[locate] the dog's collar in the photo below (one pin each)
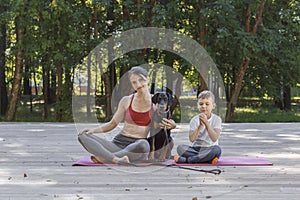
(164, 113)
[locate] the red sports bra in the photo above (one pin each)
(138, 118)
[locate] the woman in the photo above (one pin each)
(130, 143)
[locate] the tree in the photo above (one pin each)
(251, 25)
(248, 40)
(16, 86)
(3, 90)
(3, 86)
(66, 32)
(283, 22)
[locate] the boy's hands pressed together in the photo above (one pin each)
(203, 119)
(193, 135)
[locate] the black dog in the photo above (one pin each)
(161, 142)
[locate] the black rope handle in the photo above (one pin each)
(213, 171)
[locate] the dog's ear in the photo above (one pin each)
(154, 98)
(170, 98)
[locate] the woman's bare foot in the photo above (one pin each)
(123, 159)
(96, 160)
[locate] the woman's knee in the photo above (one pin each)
(143, 146)
(82, 138)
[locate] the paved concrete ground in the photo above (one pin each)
(36, 159)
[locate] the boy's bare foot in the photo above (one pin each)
(96, 160)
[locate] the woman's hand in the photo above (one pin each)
(167, 124)
(86, 130)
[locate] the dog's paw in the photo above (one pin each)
(161, 159)
(151, 156)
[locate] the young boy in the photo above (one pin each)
(205, 129)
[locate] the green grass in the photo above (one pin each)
(248, 110)
(37, 115)
(263, 114)
(256, 110)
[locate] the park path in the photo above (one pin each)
(36, 163)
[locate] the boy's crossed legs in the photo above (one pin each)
(191, 154)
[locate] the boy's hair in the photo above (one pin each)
(206, 94)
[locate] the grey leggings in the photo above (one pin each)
(199, 154)
(135, 149)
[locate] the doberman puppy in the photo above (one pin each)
(161, 142)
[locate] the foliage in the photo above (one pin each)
(60, 34)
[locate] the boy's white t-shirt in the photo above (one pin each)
(203, 139)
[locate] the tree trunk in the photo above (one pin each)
(67, 94)
(35, 84)
(201, 38)
(3, 90)
(52, 85)
(177, 94)
(16, 86)
(45, 90)
(59, 107)
(26, 80)
(152, 88)
(286, 101)
(112, 69)
(169, 60)
(237, 89)
(245, 63)
(27, 85)
(88, 92)
(108, 90)
(201, 24)
(126, 14)
(203, 84)
(287, 98)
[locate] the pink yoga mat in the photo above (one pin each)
(223, 161)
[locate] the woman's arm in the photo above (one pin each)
(117, 118)
(104, 128)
